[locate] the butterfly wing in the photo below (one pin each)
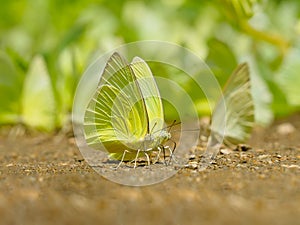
(116, 117)
(150, 94)
(238, 119)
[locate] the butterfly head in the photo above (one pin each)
(165, 135)
(162, 136)
(155, 139)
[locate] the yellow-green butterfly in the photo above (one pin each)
(234, 125)
(125, 116)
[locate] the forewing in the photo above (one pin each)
(150, 94)
(116, 116)
(238, 118)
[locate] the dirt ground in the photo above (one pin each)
(45, 180)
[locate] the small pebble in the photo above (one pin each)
(203, 138)
(243, 147)
(192, 156)
(225, 151)
(260, 150)
(192, 165)
(263, 156)
(72, 140)
(291, 166)
(285, 129)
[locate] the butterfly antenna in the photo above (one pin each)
(168, 127)
(173, 124)
(153, 127)
(191, 130)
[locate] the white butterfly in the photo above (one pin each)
(234, 125)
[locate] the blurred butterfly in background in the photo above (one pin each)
(234, 125)
(125, 116)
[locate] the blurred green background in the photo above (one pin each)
(45, 46)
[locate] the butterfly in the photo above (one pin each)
(125, 115)
(233, 116)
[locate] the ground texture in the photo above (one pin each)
(45, 180)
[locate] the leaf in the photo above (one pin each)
(288, 78)
(72, 35)
(236, 10)
(280, 105)
(262, 98)
(38, 103)
(68, 69)
(221, 60)
(10, 90)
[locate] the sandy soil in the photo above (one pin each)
(45, 180)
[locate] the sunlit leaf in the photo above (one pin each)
(221, 60)
(72, 35)
(262, 98)
(38, 103)
(10, 90)
(236, 10)
(288, 78)
(280, 105)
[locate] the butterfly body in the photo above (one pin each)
(138, 148)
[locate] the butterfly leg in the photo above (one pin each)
(163, 149)
(158, 155)
(148, 158)
(171, 154)
(123, 157)
(171, 151)
(136, 157)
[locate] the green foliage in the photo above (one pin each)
(63, 37)
(38, 102)
(10, 90)
(220, 59)
(288, 82)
